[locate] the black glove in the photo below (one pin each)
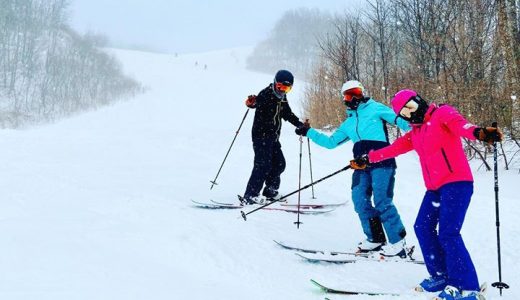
(360, 162)
(303, 128)
(251, 101)
(488, 134)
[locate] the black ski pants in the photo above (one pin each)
(269, 164)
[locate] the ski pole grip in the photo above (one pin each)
(500, 285)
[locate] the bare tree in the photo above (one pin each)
(449, 51)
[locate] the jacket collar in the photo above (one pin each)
(361, 106)
(428, 115)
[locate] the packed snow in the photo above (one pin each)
(98, 206)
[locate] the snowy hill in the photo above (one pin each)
(98, 206)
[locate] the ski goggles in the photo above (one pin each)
(283, 86)
(410, 107)
(348, 95)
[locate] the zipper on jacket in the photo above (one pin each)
(277, 116)
(357, 125)
(446, 160)
(423, 134)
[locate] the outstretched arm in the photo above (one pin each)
(339, 137)
(456, 123)
(398, 147)
(453, 121)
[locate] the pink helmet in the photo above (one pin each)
(401, 98)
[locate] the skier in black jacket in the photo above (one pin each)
(271, 107)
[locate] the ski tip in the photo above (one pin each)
(316, 283)
(483, 288)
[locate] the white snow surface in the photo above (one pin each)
(98, 206)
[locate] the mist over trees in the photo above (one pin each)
(47, 70)
(455, 52)
(292, 43)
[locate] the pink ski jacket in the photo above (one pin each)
(438, 144)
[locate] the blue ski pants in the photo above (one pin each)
(443, 249)
(269, 164)
(378, 182)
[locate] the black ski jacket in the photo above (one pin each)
(270, 110)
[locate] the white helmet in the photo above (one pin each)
(351, 84)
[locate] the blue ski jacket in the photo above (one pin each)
(366, 127)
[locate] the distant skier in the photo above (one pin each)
(366, 127)
(436, 137)
(269, 163)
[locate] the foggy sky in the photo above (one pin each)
(187, 26)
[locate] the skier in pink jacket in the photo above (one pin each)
(436, 137)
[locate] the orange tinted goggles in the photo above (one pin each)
(284, 87)
(348, 95)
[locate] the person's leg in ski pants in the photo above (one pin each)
(269, 163)
(368, 215)
(444, 251)
(272, 181)
(383, 180)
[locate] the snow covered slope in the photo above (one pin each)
(98, 206)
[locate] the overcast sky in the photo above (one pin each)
(187, 26)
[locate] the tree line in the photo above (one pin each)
(463, 53)
(47, 70)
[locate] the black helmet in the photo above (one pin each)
(283, 81)
(285, 77)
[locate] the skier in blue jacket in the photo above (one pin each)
(366, 127)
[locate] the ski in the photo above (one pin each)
(223, 203)
(303, 212)
(292, 206)
(314, 205)
(325, 256)
(345, 258)
(305, 250)
(330, 260)
(215, 205)
(303, 206)
(349, 292)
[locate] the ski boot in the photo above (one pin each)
(452, 293)
(271, 195)
(250, 200)
(432, 284)
(394, 250)
(366, 246)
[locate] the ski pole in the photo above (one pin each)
(214, 181)
(244, 215)
(310, 165)
(499, 284)
(299, 184)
